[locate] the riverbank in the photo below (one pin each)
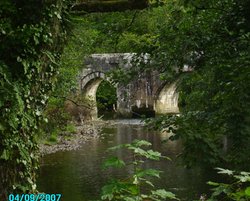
(72, 141)
(84, 133)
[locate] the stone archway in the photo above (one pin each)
(89, 93)
(89, 85)
(167, 100)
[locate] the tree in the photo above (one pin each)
(212, 38)
(32, 34)
(106, 97)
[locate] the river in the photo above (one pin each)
(78, 175)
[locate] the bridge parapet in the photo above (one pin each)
(106, 62)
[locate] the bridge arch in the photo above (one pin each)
(89, 84)
(166, 100)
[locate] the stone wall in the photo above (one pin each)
(146, 93)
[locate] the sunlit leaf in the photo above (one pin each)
(149, 183)
(211, 183)
(154, 155)
(139, 143)
(224, 171)
(162, 193)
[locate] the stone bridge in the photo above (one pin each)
(144, 93)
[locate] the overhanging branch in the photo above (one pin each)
(68, 99)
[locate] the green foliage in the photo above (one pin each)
(129, 31)
(32, 34)
(212, 38)
(106, 96)
(62, 113)
(108, 5)
(70, 128)
(79, 45)
(239, 190)
(53, 138)
(56, 116)
(114, 162)
(131, 188)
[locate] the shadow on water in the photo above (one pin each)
(78, 174)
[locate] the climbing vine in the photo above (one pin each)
(32, 34)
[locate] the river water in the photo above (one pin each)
(78, 175)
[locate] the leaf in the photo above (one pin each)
(149, 183)
(154, 155)
(211, 183)
(113, 162)
(117, 147)
(107, 197)
(149, 172)
(224, 171)
(136, 181)
(139, 151)
(5, 155)
(247, 191)
(109, 190)
(245, 173)
(1, 127)
(222, 188)
(133, 189)
(50, 56)
(139, 143)
(130, 199)
(144, 196)
(58, 15)
(38, 113)
(162, 193)
(36, 40)
(242, 178)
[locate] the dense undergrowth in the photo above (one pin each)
(32, 35)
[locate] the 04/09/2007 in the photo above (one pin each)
(34, 197)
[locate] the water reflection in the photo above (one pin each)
(79, 176)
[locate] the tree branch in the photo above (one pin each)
(65, 98)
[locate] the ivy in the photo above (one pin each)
(32, 35)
